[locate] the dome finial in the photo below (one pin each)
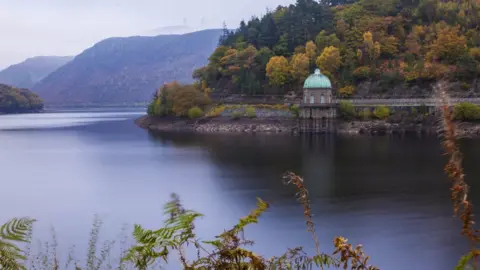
(317, 71)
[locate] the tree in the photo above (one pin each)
(311, 50)
(390, 46)
(278, 71)
(281, 48)
(187, 97)
(371, 48)
(323, 40)
(329, 61)
(299, 67)
(448, 46)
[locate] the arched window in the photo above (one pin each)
(312, 99)
(305, 98)
(322, 99)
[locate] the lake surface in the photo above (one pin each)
(388, 194)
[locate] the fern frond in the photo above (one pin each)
(15, 230)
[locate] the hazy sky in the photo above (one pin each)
(66, 27)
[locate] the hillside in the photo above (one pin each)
(32, 70)
(16, 100)
(366, 47)
(127, 70)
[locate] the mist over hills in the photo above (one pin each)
(127, 70)
(27, 73)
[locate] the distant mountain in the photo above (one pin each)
(32, 70)
(16, 100)
(127, 70)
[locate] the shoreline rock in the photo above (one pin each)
(291, 126)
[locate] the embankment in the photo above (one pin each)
(292, 126)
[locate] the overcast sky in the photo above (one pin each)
(66, 27)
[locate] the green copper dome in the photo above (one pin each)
(317, 80)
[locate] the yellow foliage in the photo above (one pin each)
(330, 60)
(390, 46)
(475, 53)
(449, 45)
(216, 111)
(367, 36)
(347, 90)
(278, 70)
(310, 49)
(299, 66)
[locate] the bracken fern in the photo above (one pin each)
(11, 233)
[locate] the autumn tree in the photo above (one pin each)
(448, 46)
(390, 46)
(370, 48)
(299, 67)
(323, 40)
(310, 50)
(329, 61)
(185, 98)
(278, 71)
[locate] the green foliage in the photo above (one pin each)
(381, 112)
(14, 231)
(195, 113)
(295, 110)
(463, 262)
(347, 111)
(466, 111)
(250, 112)
(236, 115)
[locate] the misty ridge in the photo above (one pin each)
(117, 70)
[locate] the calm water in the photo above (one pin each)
(387, 193)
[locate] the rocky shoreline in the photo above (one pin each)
(291, 126)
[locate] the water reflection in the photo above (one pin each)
(386, 193)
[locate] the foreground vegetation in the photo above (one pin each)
(390, 41)
(229, 250)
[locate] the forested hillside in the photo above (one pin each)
(16, 100)
(127, 70)
(388, 42)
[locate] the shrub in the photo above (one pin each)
(381, 112)
(347, 91)
(347, 110)
(466, 111)
(236, 115)
(365, 114)
(195, 112)
(251, 112)
(295, 110)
